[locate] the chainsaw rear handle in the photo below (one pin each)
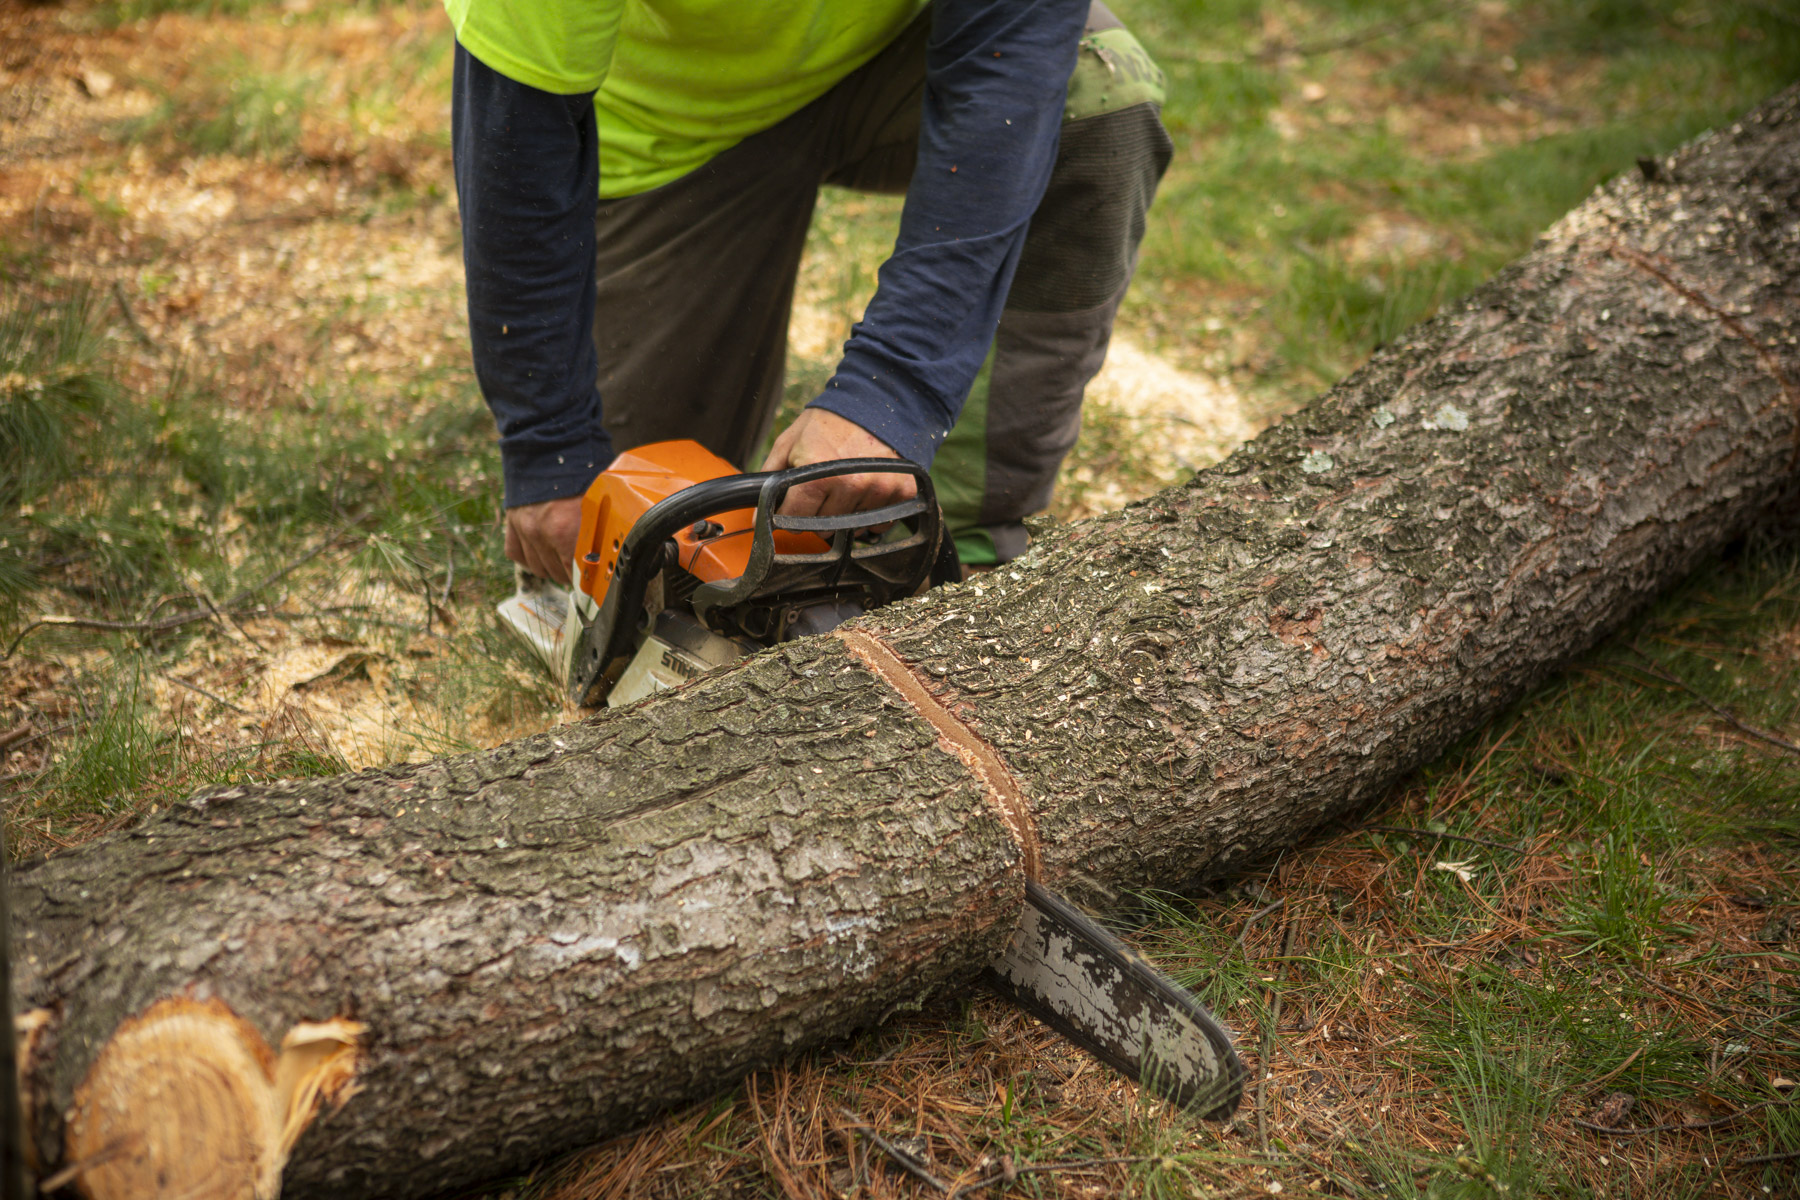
(946, 569)
(766, 490)
(836, 530)
(644, 552)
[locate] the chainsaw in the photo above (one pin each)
(684, 565)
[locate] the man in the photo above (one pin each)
(636, 179)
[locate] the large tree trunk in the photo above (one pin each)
(427, 975)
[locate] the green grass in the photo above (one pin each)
(1251, 222)
(229, 107)
(341, 520)
(1494, 1062)
(119, 752)
(266, 87)
(187, 491)
(54, 391)
(1620, 816)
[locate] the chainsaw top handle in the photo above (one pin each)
(777, 484)
(646, 550)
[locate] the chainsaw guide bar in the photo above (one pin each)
(1066, 969)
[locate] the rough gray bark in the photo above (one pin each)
(548, 942)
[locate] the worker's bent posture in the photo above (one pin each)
(637, 178)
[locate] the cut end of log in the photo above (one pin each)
(187, 1099)
(28, 1030)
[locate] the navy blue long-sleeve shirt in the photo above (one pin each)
(527, 178)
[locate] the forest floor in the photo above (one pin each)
(248, 530)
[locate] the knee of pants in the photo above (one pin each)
(1023, 460)
(1084, 236)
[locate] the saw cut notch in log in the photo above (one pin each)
(551, 942)
(958, 738)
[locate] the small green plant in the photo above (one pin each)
(118, 752)
(1621, 905)
(1501, 1071)
(53, 389)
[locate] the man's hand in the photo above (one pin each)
(541, 537)
(820, 435)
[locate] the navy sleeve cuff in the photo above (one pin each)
(536, 473)
(866, 391)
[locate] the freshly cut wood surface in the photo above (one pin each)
(188, 1100)
(529, 949)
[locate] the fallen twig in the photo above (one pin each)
(1735, 1010)
(1755, 1159)
(1268, 1046)
(1079, 1164)
(194, 687)
(449, 566)
(225, 620)
(912, 1165)
(1673, 1126)
(164, 625)
(38, 736)
(63, 622)
(277, 576)
(1350, 41)
(1428, 833)
(1256, 916)
(1723, 713)
(143, 335)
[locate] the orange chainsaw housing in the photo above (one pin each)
(635, 482)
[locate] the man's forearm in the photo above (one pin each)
(996, 78)
(527, 181)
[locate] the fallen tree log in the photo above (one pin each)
(403, 980)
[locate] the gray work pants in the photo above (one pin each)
(696, 278)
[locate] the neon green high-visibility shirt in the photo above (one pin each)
(677, 81)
